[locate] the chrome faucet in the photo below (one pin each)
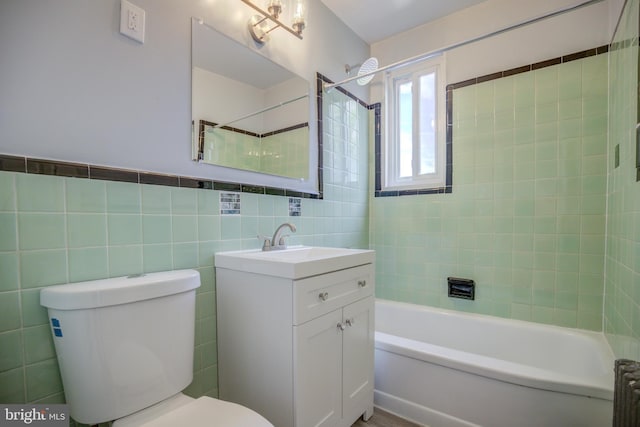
(277, 241)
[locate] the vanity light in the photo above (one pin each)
(270, 18)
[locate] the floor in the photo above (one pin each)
(384, 419)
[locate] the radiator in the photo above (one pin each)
(626, 396)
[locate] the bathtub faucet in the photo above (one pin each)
(277, 241)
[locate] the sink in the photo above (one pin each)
(294, 262)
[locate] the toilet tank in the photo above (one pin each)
(125, 343)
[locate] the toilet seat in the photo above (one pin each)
(208, 412)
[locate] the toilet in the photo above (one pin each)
(125, 350)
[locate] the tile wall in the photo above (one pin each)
(622, 279)
(56, 230)
(279, 153)
(286, 153)
(526, 219)
(232, 149)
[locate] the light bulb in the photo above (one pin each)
(298, 17)
(274, 7)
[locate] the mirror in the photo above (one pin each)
(251, 116)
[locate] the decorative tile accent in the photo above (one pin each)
(295, 206)
(229, 203)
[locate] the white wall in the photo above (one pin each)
(73, 88)
(583, 29)
(240, 100)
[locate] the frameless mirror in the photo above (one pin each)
(250, 114)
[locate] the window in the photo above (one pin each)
(414, 152)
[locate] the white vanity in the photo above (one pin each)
(296, 333)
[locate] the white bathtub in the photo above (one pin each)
(445, 368)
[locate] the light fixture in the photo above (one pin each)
(270, 18)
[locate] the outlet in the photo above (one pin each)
(131, 21)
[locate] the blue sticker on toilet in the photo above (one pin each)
(57, 329)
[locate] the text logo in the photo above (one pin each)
(34, 415)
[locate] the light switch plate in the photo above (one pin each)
(132, 21)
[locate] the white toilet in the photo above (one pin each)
(125, 350)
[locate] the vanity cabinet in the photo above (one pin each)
(299, 351)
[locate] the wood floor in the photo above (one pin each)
(384, 419)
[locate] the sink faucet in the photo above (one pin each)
(277, 241)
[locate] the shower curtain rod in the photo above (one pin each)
(440, 51)
(263, 110)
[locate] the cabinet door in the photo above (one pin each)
(318, 371)
(358, 343)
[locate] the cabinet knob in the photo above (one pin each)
(350, 322)
(362, 283)
(323, 296)
(341, 326)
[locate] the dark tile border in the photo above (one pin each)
(9, 163)
(377, 107)
(23, 164)
(13, 163)
(167, 180)
(227, 186)
(340, 89)
(252, 188)
(48, 167)
(320, 81)
(377, 147)
(287, 129)
(535, 66)
(195, 183)
(449, 120)
(319, 95)
(110, 174)
(204, 123)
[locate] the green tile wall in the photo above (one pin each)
(622, 279)
(526, 219)
(56, 230)
(285, 153)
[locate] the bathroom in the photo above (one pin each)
(561, 250)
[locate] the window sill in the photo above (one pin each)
(413, 192)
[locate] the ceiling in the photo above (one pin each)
(375, 20)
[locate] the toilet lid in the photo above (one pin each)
(210, 412)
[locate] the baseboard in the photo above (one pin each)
(415, 413)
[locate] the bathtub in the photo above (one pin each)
(444, 368)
